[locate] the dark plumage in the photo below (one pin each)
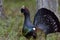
(28, 27)
(46, 21)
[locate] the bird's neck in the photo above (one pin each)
(27, 18)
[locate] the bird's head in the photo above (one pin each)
(24, 10)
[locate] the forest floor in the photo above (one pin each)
(11, 27)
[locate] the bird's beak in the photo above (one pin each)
(23, 7)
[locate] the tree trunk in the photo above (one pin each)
(1, 7)
(49, 4)
(2, 15)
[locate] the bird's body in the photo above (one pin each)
(46, 21)
(27, 30)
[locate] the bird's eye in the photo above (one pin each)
(34, 28)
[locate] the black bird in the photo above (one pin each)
(28, 27)
(46, 21)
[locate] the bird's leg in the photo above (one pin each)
(28, 39)
(45, 37)
(40, 35)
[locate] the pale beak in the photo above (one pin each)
(23, 7)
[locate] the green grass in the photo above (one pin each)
(11, 28)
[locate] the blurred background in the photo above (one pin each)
(12, 23)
